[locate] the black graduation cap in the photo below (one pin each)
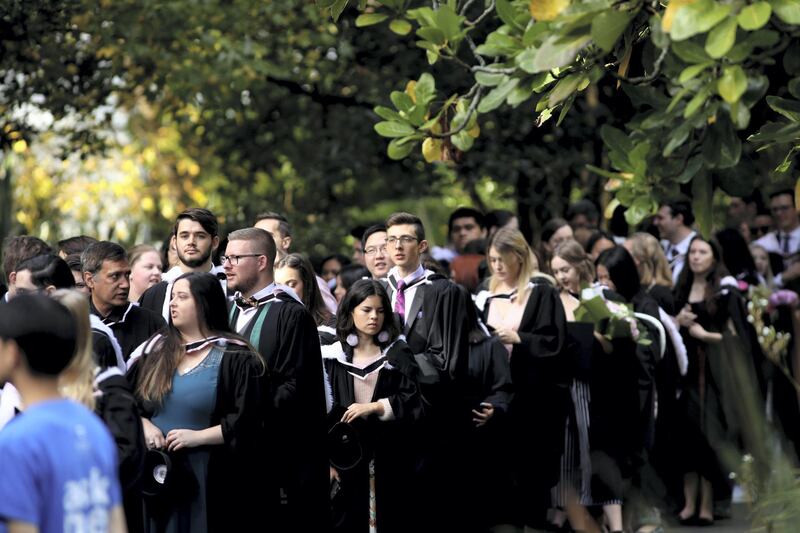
(157, 467)
(344, 445)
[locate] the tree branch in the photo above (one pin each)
(474, 49)
(482, 15)
(464, 8)
(641, 80)
(477, 90)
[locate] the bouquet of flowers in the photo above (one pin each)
(613, 320)
(761, 304)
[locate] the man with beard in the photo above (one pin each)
(196, 236)
(285, 335)
(106, 272)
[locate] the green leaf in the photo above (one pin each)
(659, 38)
(434, 35)
(449, 22)
(498, 44)
(496, 96)
(639, 210)
(527, 59)
(401, 101)
(388, 114)
(608, 27)
(740, 114)
(462, 140)
(787, 10)
(721, 38)
(754, 16)
(337, 8)
(697, 102)
(533, 32)
(368, 19)
(424, 15)
(702, 196)
(794, 87)
(733, 83)
(506, 13)
(488, 79)
(519, 95)
(722, 147)
(393, 129)
(400, 148)
(615, 139)
(425, 89)
(698, 17)
(556, 52)
(677, 98)
(692, 71)
(677, 138)
(694, 165)
(603, 172)
(400, 26)
(775, 132)
(564, 88)
(788, 108)
(690, 52)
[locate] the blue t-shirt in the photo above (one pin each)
(58, 469)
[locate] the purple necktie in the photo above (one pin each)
(400, 303)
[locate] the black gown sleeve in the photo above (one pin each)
(447, 342)
(497, 377)
(406, 402)
(237, 408)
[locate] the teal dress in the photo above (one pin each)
(190, 405)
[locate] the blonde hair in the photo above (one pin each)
(651, 262)
(512, 246)
(77, 380)
(136, 253)
(574, 254)
(769, 277)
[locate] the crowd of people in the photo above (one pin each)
(239, 385)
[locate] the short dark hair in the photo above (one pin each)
(683, 208)
(283, 222)
(349, 274)
(552, 226)
(204, 217)
(369, 232)
(48, 269)
(783, 192)
(622, 271)
(583, 207)
(260, 237)
(360, 291)
(498, 218)
(93, 257)
(74, 262)
(595, 237)
(75, 245)
(466, 212)
(341, 258)
(396, 219)
(19, 248)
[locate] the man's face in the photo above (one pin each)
(783, 212)
(358, 253)
(376, 255)
(464, 230)
(403, 246)
(667, 224)
(24, 284)
(243, 275)
(193, 243)
(737, 211)
(111, 284)
(272, 226)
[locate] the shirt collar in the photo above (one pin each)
(418, 273)
(263, 293)
(116, 315)
(683, 246)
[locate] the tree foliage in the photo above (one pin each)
(704, 83)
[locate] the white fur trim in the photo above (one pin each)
(677, 341)
(97, 324)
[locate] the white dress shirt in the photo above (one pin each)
(246, 315)
(676, 254)
(410, 292)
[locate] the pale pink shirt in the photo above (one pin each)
(364, 389)
(507, 313)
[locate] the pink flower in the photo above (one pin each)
(782, 297)
(743, 285)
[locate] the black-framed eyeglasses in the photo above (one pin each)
(760, 230)
(234, 259)
(372, 250)
(403, 239)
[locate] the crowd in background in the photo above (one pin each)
(242, 385)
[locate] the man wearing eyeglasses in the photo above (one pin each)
(431, 311)
(196, 237)
(784, 242)
(376, 254)
(283, 331)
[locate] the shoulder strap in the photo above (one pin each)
(255, 334)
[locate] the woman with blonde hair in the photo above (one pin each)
(146, 269)
(528, 317)
(654, 272)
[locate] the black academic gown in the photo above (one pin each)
(390, 443)
(153, 298)
(131, 325)
(296, 426)
(436, 331)
(233, 504)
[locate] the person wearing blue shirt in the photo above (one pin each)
(58, 461)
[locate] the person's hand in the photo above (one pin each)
(334, 475)
(153, 437)
(507, 336)
(792, 272)
(360, 410)
(484, 415)
(686, 318)
(178, 439)
(698, 332)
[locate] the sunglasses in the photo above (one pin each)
(760, 230)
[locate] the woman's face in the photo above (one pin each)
(182, 308)
(330, 269)
(291, 278)
(566, 275)
(601, 246)
(504, 267)
(146, 272)
(368, 316)
(605, 278)
(339, 292)
(563, 233)
(761, 259)
(701, 257)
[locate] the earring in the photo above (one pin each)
(352, 340)
(383, 336)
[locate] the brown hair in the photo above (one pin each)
(136, 253)
(311, 296)
(396, 219)
(17, 249)
(264, 242)
(77, 380)
(651, 261)
(574, 254)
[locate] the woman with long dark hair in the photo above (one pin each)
(372, 377)
(197, 385)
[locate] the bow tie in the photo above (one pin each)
(245, 303)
